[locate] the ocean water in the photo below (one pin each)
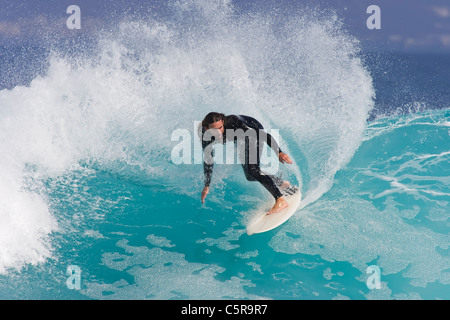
(87, 177)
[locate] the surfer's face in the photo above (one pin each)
(217, 128)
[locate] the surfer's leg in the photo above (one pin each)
(269, 184)
(252, 168)
(248, 176)
(280, 183)
(253, 171)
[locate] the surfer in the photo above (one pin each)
(217, 124)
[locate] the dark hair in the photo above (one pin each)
(212, 117)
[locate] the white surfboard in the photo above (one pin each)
(263, 222)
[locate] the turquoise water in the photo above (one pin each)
(87, 177)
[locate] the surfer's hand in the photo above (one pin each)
(204, 193)
(284, 158)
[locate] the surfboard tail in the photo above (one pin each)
(263, 222)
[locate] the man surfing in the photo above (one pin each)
(217, 125)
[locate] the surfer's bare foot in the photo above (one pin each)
(279, 205)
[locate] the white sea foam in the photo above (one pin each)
(162, 274)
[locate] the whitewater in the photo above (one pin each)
(87, 179)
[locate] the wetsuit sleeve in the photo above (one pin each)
(271, 142)
(208, 163)
(237, 123)
(207, 169)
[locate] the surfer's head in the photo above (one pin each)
(214, 122)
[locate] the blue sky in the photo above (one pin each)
(407, 25)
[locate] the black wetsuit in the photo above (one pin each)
(251, 165)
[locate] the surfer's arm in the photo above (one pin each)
(207, 170)
(271, 142)
(204, 193)
(236, 123)
(208, 165)
(208, 161)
